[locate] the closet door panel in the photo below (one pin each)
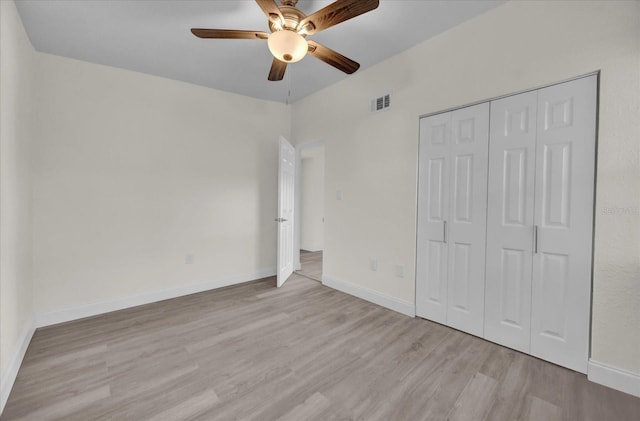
(510, 220)
(565, 171)
(466, 228)
(433, 211)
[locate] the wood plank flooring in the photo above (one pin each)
(311, 262)
(302, 352)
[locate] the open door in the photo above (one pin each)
(286, 196)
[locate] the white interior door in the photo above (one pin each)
(565, 171)
(433, 212)
(466, 227)
(512, 148)
(285, 219)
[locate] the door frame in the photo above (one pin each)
(297, 229)
(537, 88)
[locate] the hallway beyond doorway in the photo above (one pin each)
(311, 262)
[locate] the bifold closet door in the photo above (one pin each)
(540, 219)
(565, 177)
(452, 201)
(467, 224)
(433, 211)
(510, 227)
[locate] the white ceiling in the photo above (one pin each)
(153, 37)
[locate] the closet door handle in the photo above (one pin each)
(444, 232)
(535, 239)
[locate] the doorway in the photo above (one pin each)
(310, 207)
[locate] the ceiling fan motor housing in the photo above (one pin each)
(292, 16)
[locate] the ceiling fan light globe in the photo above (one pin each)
(287, 46)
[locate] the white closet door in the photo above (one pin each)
(512, 147)
(433, 210)
(565, 166)
(466, 227)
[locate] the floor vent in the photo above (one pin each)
(381, 103)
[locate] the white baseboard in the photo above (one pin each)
(615, 378)
(100, 307)
(401, 306)
(9, 376)
(311, 249)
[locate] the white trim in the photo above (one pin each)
(9, 376)
(401, 306)
(615, 378)
(495, 98)
(92, 309)
(311, 249)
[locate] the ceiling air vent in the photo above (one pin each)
(381, 103)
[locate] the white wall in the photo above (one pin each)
(16, 289)
(312, 199)
(372, 158)
(132, 173)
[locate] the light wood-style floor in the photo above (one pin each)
(302, 352)
(311, 262)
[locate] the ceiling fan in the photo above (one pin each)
(289, 28)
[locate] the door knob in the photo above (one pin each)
(280, 220)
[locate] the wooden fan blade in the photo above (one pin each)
(332, 58)
(335, 13)
(228, 34)
(271, 9)
(277, 70)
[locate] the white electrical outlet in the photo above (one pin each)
(189, 259)
(338, 194)
(400, 271)
(373, 264)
